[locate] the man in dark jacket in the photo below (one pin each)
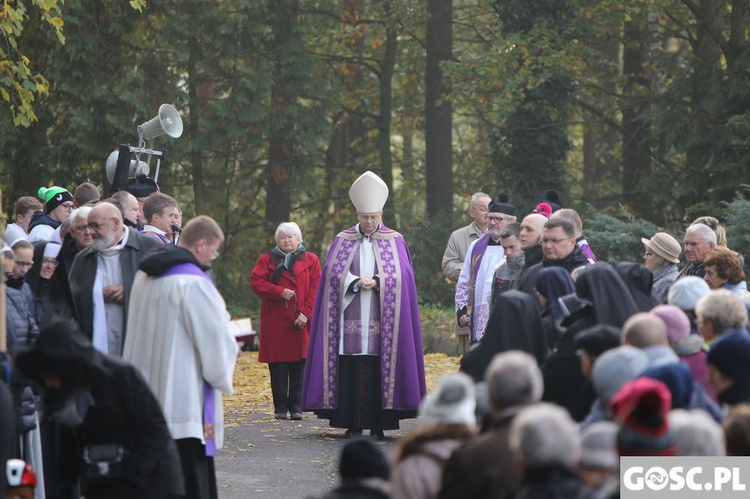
(531, 244)
(484, 467)
(102, 276)
(113, 434)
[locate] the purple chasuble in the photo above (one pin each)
(209, 393)
(396, 319)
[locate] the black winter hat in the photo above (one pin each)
(363, 459)
(501, 204)
(552, 198)
(597, 339)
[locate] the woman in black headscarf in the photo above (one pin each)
(608, 301)
(553, 283)
(48, 280)
(639, 281)
(515, 324)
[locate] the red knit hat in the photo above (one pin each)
(543, 209)
(641, 406)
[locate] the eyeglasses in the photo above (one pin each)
(549, 240)
(25, 264)
(50, 261)
(497, 220)
(368, 218)
(68, 206)
(94, 226)
(82, 228)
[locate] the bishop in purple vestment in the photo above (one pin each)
(365, 365)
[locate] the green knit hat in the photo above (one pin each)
(54, 196)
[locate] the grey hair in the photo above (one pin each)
(513, 379)
(78, 213)
(704, 231)
(696, 433)
(571, 216)
(659, 261)
(289, 228)
(544, 435)
(476, 197)
(724, 309)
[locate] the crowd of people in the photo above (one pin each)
(120, 347)
(121, 350)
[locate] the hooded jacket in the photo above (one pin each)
(123, 412)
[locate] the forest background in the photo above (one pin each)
(636, 111)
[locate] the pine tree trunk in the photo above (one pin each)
(438, 115)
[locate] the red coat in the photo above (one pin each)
(280, 341)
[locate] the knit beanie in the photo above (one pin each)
(501, 204)
(686, 291)
(614, 368)
(543, 209)
(598, 445)
(54, 196)
(552, 198)
(678, 325)
(678, 379)
(363, 459)
(730, 354)
(641, 406)
(453, 402)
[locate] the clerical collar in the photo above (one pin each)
(367, 236)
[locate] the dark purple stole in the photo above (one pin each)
(476, 262)
(209, 393)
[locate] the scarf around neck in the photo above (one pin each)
(286, 261)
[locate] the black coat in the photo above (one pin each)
(8, 439)
(553, 483)
(124, 412)
(526, 280)
(515, 324)
(639, 281)
(608, 302)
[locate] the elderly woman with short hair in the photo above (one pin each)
(661, 257)
(724, 271)
(286, 280)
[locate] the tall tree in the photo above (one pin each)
(439, 112)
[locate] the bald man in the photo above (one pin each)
(531, 244)
(102, 276)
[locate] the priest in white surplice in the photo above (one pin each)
(474, 287)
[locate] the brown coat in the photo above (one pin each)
(483, 468)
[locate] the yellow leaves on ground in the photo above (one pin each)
(252, 385)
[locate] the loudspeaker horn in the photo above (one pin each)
(166, 122)
(136, 167)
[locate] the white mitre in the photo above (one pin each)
(368, 193)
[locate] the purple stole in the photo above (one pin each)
(209, 393)
(476, 262)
